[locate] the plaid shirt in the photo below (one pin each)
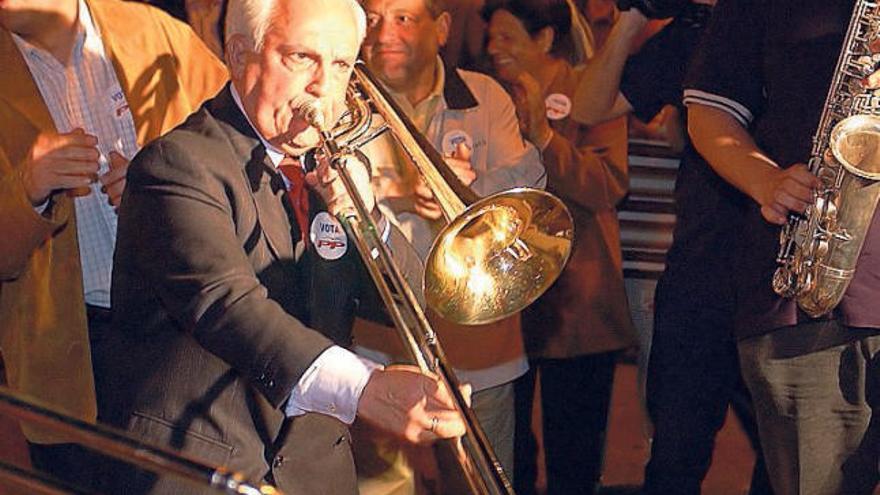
(86, 94)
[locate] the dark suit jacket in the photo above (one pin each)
(216, 316)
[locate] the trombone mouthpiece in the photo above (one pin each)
(311, 111)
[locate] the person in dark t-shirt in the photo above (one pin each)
(693, 373)
(757, 90)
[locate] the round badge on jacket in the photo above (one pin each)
(328, 236)
(558, 106)
(453, 138)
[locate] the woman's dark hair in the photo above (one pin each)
(535, 15)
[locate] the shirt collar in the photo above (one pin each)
(456, 92)
(448, 83)
(87, 36)
(91, 34)
(439, 79)
(436, 89)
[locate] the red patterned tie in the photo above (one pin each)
(297, 194)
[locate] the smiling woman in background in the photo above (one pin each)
(575, 331)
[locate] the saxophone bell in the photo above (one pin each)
(855, 144)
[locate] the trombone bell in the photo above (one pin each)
(498, 256)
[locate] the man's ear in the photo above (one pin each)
(238, 47)
(443, 22)
(544, 39)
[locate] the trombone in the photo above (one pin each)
(494, 257)
(108, 441)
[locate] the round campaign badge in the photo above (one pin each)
(328, 236)
(453, 138)
(558, 106)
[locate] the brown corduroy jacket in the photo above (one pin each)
(166, 73)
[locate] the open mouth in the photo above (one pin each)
(503, 61)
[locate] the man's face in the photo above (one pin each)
(308, 53)
(402, 41)
(511, 47)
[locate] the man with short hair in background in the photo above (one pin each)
(471, 121)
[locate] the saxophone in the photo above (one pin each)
(818, 250)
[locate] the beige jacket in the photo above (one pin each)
(475, 108)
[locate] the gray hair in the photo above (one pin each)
(252, 19)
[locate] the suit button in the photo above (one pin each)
(271, 384)
(277, 461)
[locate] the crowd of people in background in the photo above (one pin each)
(162, 200)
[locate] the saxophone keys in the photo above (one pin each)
(866, 65)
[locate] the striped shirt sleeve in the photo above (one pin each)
(739, 111)
(726, 70)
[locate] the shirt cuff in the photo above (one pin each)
(386, 229)
(736, 109)
(41, 207)
(332, 385)
(383, 225)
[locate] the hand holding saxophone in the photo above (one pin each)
(792, 190)
(789, 190)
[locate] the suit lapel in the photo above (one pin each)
(19, 91)
(18, 88)
(266, 189)
(268, 196)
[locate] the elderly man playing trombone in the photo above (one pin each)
(231, 302)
